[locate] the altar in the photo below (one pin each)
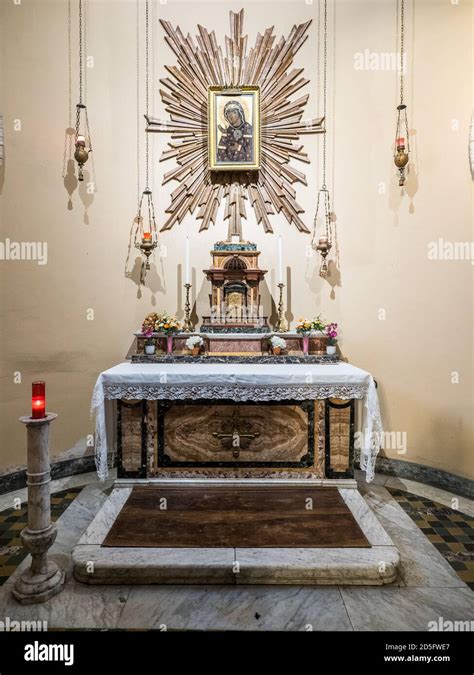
(236, 472)
(174, 419)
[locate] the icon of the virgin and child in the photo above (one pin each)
(236, 141)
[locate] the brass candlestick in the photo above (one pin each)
(281, 324)
(187, 311)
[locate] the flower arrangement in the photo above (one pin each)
(304, 326)
(318, 323)
(331, 332)
(278, 344)
(167, 324)
(148, 334)
(160, 323)
(149, 322)
(194, 341)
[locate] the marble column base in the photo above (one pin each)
(94, 564)
(34, 588)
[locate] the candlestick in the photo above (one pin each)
(186, 264)
(38, 400)
(187, 311)
(280, 261)
(43, 578)
(281, 324)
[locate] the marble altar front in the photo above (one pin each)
(235, 419)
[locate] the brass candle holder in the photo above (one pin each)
(146, 246)
(281, 323)
(323, 246)
(187, 311)
(401, 160)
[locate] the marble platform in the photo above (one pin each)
(425, 589)
(378, 565)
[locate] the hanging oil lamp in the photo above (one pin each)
(324, 243)
(146, 235)
(81, 154)
(402, 144)
(402, 149)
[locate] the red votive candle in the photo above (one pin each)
(400, 141)
(38, 400)
(147, 236)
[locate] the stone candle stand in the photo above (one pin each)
(43, 579)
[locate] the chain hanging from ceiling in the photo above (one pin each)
(146, 236)
(83, 134)
(323, 203)
(402, 143)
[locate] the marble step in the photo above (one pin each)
(377, 566)
(95, 564)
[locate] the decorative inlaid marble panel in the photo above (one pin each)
(289, 440)
(130, 434)
(228, 434)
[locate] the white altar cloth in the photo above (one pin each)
(239, 382)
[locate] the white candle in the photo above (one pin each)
(280, 261)
(186, 263)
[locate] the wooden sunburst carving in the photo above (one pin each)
(268, 65)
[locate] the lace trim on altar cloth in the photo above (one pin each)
(372, 432)
(372, 426)
(249, 392)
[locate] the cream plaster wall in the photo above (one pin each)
(382, 236)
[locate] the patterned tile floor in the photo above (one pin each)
(12, 521)
(450, 531)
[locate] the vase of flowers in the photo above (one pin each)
(150, 346)
(194, 343)
(169, 325)
(331, 332)
(278, 344)
(305, 328)
(319, 324)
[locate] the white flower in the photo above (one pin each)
(278, 342)
(194, 341)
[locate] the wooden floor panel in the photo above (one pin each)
(242, 516)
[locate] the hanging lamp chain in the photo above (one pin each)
(402, 46)
(79, 106)
(80, 52)
(323, 191)
(325, 63)
(147, 90)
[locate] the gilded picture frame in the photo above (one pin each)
(234, 128)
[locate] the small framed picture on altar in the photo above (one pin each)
(234, 129)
